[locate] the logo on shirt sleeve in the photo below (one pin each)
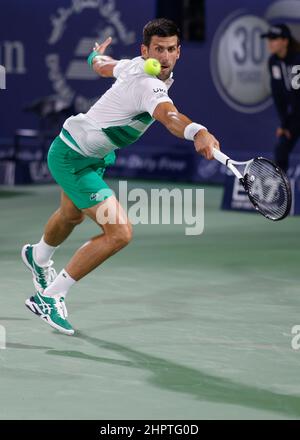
(159, 90)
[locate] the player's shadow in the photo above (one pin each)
(178, 378)
(26, 346)
(7, 194)
(9, 318)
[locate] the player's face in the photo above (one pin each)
(166, 51)
(277, 45)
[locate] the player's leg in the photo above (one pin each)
(82, 179)
(62, 222)
(117, 233)
(282, 151)
(37, 257)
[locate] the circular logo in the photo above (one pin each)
(71, 77)
(239, 64)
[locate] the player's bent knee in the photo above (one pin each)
(127, 234)
(121, 237)
(73, 219)
(76, 220)
(124, 236)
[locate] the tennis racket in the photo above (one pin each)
(265, 184)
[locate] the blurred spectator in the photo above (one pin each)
(285, 53)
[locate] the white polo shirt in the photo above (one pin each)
(121, 115)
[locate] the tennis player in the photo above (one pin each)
(84, 148)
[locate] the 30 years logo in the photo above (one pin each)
(239, 63)
(239, 56)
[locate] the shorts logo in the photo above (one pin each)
(67, 62)
(94, 197)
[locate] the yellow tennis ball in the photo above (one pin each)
(152, 66)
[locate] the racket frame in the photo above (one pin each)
(229, 163)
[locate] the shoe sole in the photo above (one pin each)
(34, 308)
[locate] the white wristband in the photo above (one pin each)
(102, 58)
(191, 130)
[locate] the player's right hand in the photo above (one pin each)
(204, 143)
(101, 48)
(283, 132)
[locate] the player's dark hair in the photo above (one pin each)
(160, 27)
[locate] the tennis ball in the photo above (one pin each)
(152, 66)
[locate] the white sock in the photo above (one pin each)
(42, 252)
(60, 285)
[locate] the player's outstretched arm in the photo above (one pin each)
(102, 64)
(181, 126)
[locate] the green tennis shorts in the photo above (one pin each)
(80, 177)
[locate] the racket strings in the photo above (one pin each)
(268, 189)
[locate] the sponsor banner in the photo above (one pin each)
(151, 161)
(235, 198)
(45, 53)
(24, 172)
(136, 164)
(222, 83)
(138, 161)
(7, 172)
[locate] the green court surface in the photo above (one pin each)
(172, 327)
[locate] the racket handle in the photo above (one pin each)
(220, 157)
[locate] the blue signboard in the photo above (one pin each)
(222, 82)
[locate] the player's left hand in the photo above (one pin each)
(101, 48)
